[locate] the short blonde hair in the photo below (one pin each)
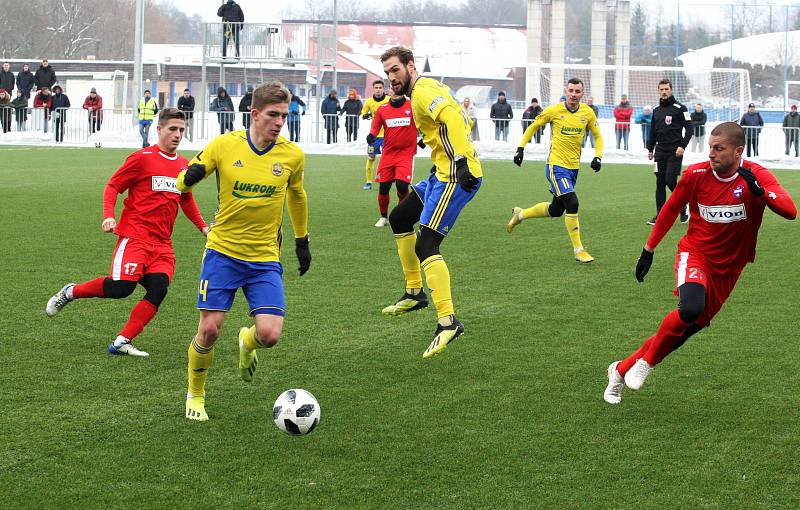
(273, 92)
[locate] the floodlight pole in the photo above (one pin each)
(335, 44)
(138, 45)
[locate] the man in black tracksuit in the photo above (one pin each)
(669, 135)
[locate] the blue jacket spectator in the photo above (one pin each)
(646, 120)
(752, 124)
(295, 105)
(25, 81)
(330, 109)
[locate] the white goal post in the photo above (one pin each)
(791, 92)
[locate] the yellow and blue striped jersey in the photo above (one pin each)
(568, 129)
(252, 186)
(371, 106)
(429, 99)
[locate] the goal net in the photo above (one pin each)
(792, 93)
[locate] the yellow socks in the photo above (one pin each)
(200, 359)
(574, 230)
(368, 173)
(408, 259)
(540, 210)
(438, 277)
(250, 341)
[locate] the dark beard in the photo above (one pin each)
(406, 90)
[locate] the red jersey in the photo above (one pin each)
(725, 215)
(399, 132)
(150, 209)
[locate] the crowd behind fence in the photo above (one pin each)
(75, 126)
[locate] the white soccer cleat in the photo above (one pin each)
(382, 222)
(56, 303)
(637, 375)
(613, 393)
(126, 349)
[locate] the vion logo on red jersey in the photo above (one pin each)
(723, 213)
(162, 183)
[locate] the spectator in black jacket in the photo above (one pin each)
(45, 76)
(7, 80)
(186, 105)
(752, 123)
(330, 109)
(245, 105)
(699, 119)
(59, 109)
(223, 105)
(232, 23)
(20, 105)
(25, 81)
(5, 110)
(669, 135)
(500, 113)
(351, 109)
(528, 116)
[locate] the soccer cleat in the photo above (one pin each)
(651, 221)
(196, 408)
(583, 256)
(56, 303)
(514, 221)
(248, 361)
(382, 222)
(407, 303)
(367, 186)
(637, 375)
(613, 393)
(442, 337)
(126, 349)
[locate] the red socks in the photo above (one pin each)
(141, 314)
(628, 362)
(383, 204)
(92, 288)
(657, 347)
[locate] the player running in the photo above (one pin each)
(143, 253)
(437, 201)
(727, 197)
(395, 120)
(257, 172)
(568, 121)
(371, 105)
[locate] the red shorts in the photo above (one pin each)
(389, 171)
(133, 259)
(693, 268)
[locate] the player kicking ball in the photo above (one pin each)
(396, 122)
(726, 197)
(143, 254)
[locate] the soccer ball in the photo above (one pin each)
(296, 412)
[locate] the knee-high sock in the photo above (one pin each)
(574, 230)
(669, 333)
(383, 204)
(628, 362)
(142, 313)
(539, 210)
(200, 359)
(408, 259)
(250, 340)
(92, 288)
(438, 277)
(368, 175)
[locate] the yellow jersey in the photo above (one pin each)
(252, 186)
(568, 129)
(429, 98)
(371, 106)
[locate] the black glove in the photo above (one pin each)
(466, 180)
(519, 156)
(370, 139)
(752, 182)
(595, 164)
(643, 265)
(421, 143)
(194, 174)
(366, 116)
(303, 254)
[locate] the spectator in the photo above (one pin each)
(295, 105)
(528, 116)
(791, 128)
(7, 80)
(59, 109)
(45, 76)
(699, 119)
(223, 105)
(5, 110)
(232, 23)
(93, 104)
(351, 110)
(646, 120)
(245, 105)
(20, 105)
(186, 105)
(25, 81)
(622, 114)
(469, 111)
(500, 113)
(588, 133)
(147, 112)
(752, 123)
(43, 100)
(330, 109)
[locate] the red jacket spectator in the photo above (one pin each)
(94, 104)
(42, 100)
(622, 114)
